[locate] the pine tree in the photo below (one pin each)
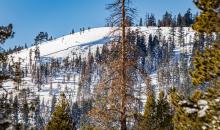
(206, 64)
(15, 113)
(38, 119)
(30, 59)
(149, 59)
(167, 20)
(141, 48)
(53, 103)
(181, 119)
(97, 55)
(61, 119)
(76, 113)
(201, 110)
(25, 113)
(37, 54)
(25, 46)
(172, 32)
(41, 37)
(85, 107)
(179, 20)
(155, 52)
(141, 22)
(18, 75)
(5, 112)
(148, 120)
(181, 37)
(163, 113)
(151, 20)
(188, 19)
(6, 32)
(208, 21)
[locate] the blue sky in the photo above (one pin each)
(59, 17)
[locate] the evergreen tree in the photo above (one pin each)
(15, 113)
(150, 53)
(25, 46)
(206, 65)
(37, 53)
(181, 120)
(38, 121)
(179, 20)
(181, 37)
(148, 120)
(208, 21)
(18, 75)
(188, 19)
(41, 37)
(76, 113)
(163, 113)
(151, 20)
(167, 20)
(25, 113)
(155, 52)
(6, 32)
(61, 119)
(141, 22)
(172, 33)
(30, 59)
(98, 55)
(141, 48)
(201, 110)
(53, 103)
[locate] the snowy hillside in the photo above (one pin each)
(79, 43)
(69, 44)
(68, 80)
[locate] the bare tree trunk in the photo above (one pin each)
(123, 69)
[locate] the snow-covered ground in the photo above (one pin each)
(79, 43)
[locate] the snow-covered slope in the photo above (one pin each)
(75, 44)
(80, 42)
(69, 44)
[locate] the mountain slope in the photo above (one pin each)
(68, 80)
(79, 43)
(64, 46)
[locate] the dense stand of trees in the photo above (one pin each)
(168, 20)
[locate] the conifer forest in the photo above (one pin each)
(136, 71)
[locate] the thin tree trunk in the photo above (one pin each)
(123, 69)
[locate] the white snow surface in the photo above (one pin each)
(67, 45)
(78, 43)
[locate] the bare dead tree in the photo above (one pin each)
(115, 94)
(122, 16)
